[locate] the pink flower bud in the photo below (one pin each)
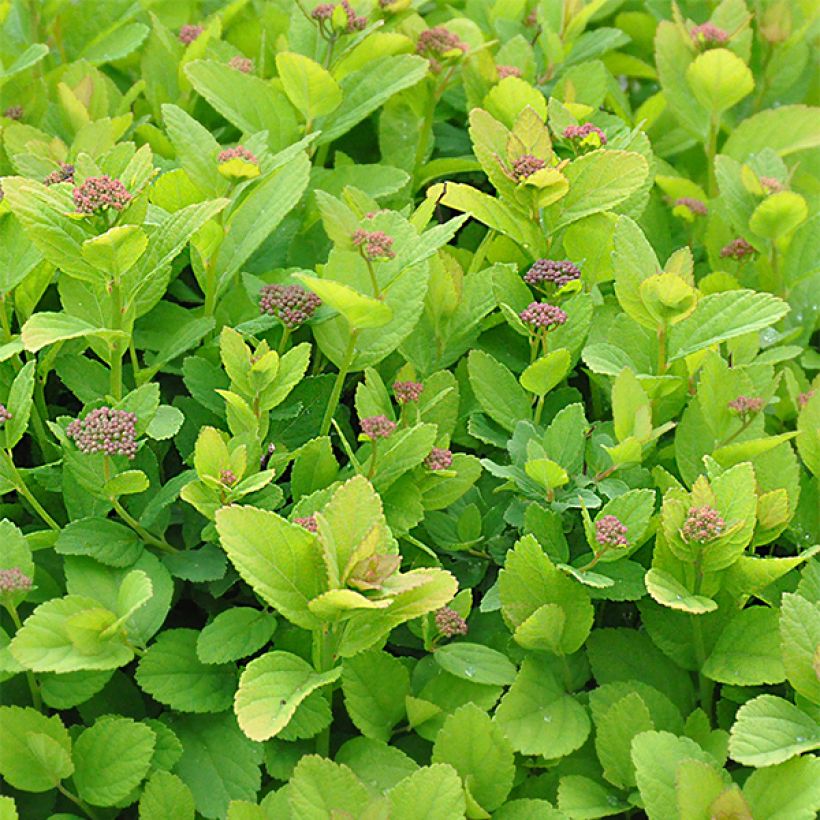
(439, 459)
(373, 245)
(610, 532)
(555, 272)
(406, 392)
(308, 523)
(376, 427)
(702, 524)
(14, 580)
(737, 249)
(188, 33)
(449, 623)
(292, 305)
(543, 315)
(105, 430)
(98, 194)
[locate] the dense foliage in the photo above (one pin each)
(409, 410)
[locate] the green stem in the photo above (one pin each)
(135, 363)
(371, 470)
(22, 489)
(339, 384)
(322, 662)
(539, 407)
(36, 699)
(373, 280)
(284, 340)
(81, 804)
(706, 687)
(210, 290)
(661, 350)
(481, 252)
(116, 347)
(711, 150)
(159, 543)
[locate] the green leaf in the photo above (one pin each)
(497, 390)
(44, 329)
(538, 717)
(111, 758)
(477, 749)
(234, 634)
(278, 559)
(808, 434)
(614, 731)
(129, 482)
(115, 251)
(722, 316)
(165, 795)
(359, 310)
(747, 653)
(69, 689)
(431, 793)
(19, 404)
(580, 796)
(195, 147)
(25, 761)
(320, 788)
(785, 129)
(166, 421)
(799, 639)
(311, 88)
(271, 688)
(789, 791)
(778, 215)
(171, 673)
(769, 730)
(547, 372)
(476, 662)
(375, 710)
(669, 592)
(719, 79)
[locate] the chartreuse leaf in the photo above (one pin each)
(614, 730)
(431, 793)
(8, 808)
(278, 559)
(44, 329)
(320, 788)
(115, 251)
(699, 787)
(538, 717)
(580, 796)
(799, 639)
(788, 791)
(270, 690)
(769, 730)
(171, 672)
(477, 663)
(747, 653)
(719, 79)
(111, 758)
(166, 795)
(233, 634)
(19, 403)
(547, 372)
(375, 710)
(779, 215)
(668, 591)
(360, 311)
(311, 88)
(478, 750)
(808, 434)
(35, 754)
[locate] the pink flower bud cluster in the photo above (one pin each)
(737, 249)
(437, 41)
(373, 244)
(526, 165)
(105, 430)
(505, 71)
(4, 414)
(308, 523)
(802, 400)
(355, 22)
(542, 315)
(323, 11)
(439, 459)
(228, 477)
(375, 427)
(449, 623)
(744, 405)
(14, 112)
(240, 63)
(771, 185)
(558, 272)
(239, 152)
(292, 305)
(189, 33)
(579, 132)
(14, 580)
(610, 531)
(98, 194)
(708, 34)
(695, 206)
(65, 173)
(702, 524)
(406, 392)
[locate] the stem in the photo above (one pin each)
(711, 150)
(135, 364)
(89, 812)
(597, 557)
(22, 489)
(371, 470)
(210, 290)
(706, 687)
(539, 407)
(322, 662)
(338, 384)
(661, 350)
(159, 543)
(116, 349)
(778, 286)
(284, 340)
(4, 318)
(373, 280)
(36, 699)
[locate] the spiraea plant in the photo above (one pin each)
(409, 410)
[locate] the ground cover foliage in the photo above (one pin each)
(409, 410)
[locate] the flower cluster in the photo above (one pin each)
(4, 414)
(355, 22)
(437, 44)
(14, 112)
(542, 315)
(292, 305)
(105, 430)
(228, 477)
(745, 405)
(449, 623)
(610, 531)
(439, 459)
(188, 33)
(707, 35)
(98, 194)
(243, 64)
(406, 392)
(695, 206)
(558, 272)
(14, 580)
(771, 185)
(323, 13)
(526, 165)
(308, 523)
(581, 132)
(702, 524)
(375, 427)
(505, 71)
(804, 398)
(239, 152)
(65, 173)
(373, 244)
(737, 249)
